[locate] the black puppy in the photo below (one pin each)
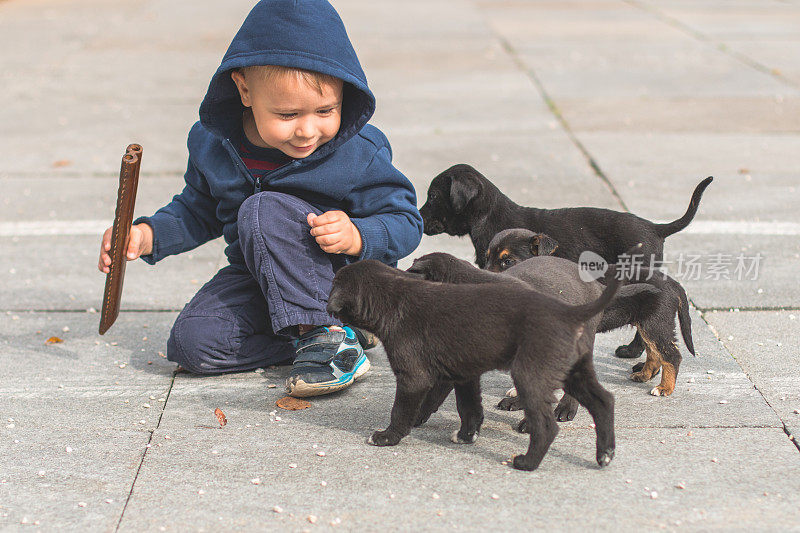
(651, 314)
(551, 276)
(430, 336)
(462, 201)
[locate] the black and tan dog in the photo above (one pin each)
(462, 201)
(652, 314)
(439, 334)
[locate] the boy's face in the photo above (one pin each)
(289, 114)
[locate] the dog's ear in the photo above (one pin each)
(542, 244)
(463, 190)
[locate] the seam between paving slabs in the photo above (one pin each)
(557, 113)
(146, 449)
(720, 46)
(792, 435)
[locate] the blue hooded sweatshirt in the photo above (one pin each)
(352, 172)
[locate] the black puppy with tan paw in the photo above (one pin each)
(462, 201)
(652, 314)
(430, 336)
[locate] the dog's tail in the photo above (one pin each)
(614, 280)
(684, 319)
(665, 230)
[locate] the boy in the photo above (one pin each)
(285, 166)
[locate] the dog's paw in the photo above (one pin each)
(638, 367)
(643, 375)
(521, 462)
(467, 438)
(522, 426)
(421, 420)
(511, 402)
(604, 457)
(625, 352)
(565, 413)
(383, 438)
(661, 391)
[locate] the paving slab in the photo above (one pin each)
(532, 169)
(74, 423)
(46, 485)
(467, 115)
(576, 22)
(88, 381)
(723, 115)
(734, 20)
(240, 485)
(779, 56)
(98, 136)
(742, 271)
(756, 176)
(96, 195)
(766, 345)
(660, 70)
(33, 276)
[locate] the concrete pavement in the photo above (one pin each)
(619, 104)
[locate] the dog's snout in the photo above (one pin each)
(334, 303)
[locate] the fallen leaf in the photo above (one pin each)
(62, 163)
(220, 416)
(292, 404)
(53, 340)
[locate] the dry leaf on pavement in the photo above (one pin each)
(292, 404)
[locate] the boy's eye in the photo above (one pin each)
(326, 111)
(287, 116)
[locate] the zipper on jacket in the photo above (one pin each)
(258, 184)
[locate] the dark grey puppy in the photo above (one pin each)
(431, 335)
(551, 276)
(653, 315)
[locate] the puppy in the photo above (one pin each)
(436, 334)
(652, 315)
(461, 201)
(645, 304)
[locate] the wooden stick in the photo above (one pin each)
(120, 235)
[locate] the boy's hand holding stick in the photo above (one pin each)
(120, 239)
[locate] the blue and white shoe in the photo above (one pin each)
(328, 359)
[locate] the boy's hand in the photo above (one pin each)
(140, 243)
(335, 233)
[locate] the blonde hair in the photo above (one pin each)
(313, 79)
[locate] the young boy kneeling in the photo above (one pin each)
(284, 165)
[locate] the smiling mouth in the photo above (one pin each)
(303, 148)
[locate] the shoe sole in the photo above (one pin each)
(301, 389)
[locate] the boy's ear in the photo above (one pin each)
(244, 93)
(542, 244)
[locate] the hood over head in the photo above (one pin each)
(305, 34)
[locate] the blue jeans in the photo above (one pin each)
(239, 320)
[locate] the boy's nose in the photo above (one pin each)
(305, 129)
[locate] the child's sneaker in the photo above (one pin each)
(328, 359)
